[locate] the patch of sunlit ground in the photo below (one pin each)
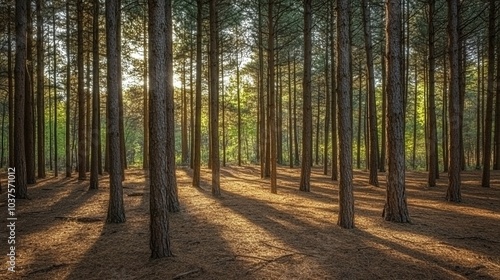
(250, 233)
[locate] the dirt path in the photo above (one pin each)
(251, 234)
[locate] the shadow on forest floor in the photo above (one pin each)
(250, 233)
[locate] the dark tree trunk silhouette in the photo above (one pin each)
(116, 211)
(453, 192)
(395, 208)
(239, 106)
(305, 174)
(40, 99)
(295, 133)
(68, 95)
(335, 168)
(346, 197)
(431, 108)
(81, 95)
(327, 94)
(214, 100)
(290, 118)
(262, 99)
(271, 97)
(372, 106)
(485, 182)
(19, 96)
(145, 106)
(497, 108)
(29, 132)
(197, 126)
(10, 88)
(172, 196)
(54, 86)
(94, 164)
(158, 128)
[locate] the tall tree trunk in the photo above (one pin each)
(223, 101)
(318, 114)
(485, 182)
(29, 132)
(279, 103)
(94, 165)
(433, 156)
(214, 102)
(383, 146)
(239, 106)
(334, 99)
(173, 204)
(184, 126)
(197, 126)
(40, 98)
(19, 96)
(497, 109)
(328, 94)
(68, 95)
(145, 106)
(372, 106)
(360, 102)
(159, 242)
(10, 88)
(116, 210)
(395, 208)
(54, 85)
(346, 197)
(290, 119)
(479, 117)
(445, 117)
(123, 153)
(305, 174)
(88, 107)
(271, 98)
(415, 112)
(81, 95)
(453, 192)
(191, 94)
(295, 134)
(262, 99)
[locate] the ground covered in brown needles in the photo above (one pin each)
(250, 233)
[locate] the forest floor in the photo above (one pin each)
(250, 233)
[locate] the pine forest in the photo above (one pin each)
(250, 139)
